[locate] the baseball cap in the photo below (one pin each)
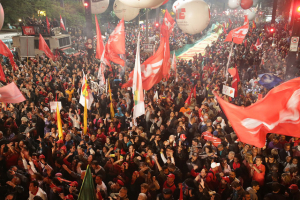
(294, 187)
(120, 182)
(182, 136)
(171, 176)
(45, 109)
(41, 156)
(226, 178)
(167, 191)
(74, 184)
(60, 142)
(214, 164)
(69, 197)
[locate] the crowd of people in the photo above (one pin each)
(176, 146)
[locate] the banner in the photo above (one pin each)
(53, 105)
(229, 91)
(28, 30)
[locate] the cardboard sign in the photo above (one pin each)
(229, 91)
(53, 105)
(294, 44)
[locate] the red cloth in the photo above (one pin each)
(44, 47)
(100, 45)
(237, 35)
(171, 187)
(253, 123)
(236, 165)
(209, 137)
(4, 50)
(11, 94)
(62, 25)
(259, 177)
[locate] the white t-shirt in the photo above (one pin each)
(40, 193)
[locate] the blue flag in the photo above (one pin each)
(269, 80)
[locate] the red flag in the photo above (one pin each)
(44, 47)
(195, 94)
(116, 41)
(4, 50)
(62, 25)
(2, 75)
(224, 28)
(257, 46)
(235, 79)
(151, 69)
(168, 23)
(285, 27)
(188, 100)
(277, 113)
(11, 94)
(254, 25)
(237, 35)
(112, 56)
(100, 46)
(245, 43)
(48, 25)
(230, 22)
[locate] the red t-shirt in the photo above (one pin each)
(259, 177)
(171, 187)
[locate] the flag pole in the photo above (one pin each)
(228, 62)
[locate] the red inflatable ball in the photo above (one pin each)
(246, 4)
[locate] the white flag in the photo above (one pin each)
(137, 85)
(90, 98)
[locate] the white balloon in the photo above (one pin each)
(251, 12)
(177, 3)
(255, 3)
(123, 11)
(1, 16)
(99, 7)
(233, 4)
(193, 16)
(142, 3)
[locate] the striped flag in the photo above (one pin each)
(137, 85)
(59, 126)
(112, 111)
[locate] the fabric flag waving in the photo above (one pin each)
(62, 25)
(269, 80)
(100, 45)
(168, 23)
(257, 46)
(44, 47)
(237, 35)
(101, 75)
(278, 112)
(253, 25)
(235, 79)
(137, 85)
(11, 94)
(112, 111)
(86, 93)
(48, 25)
(4, 50)
(2, 75)
(59, 125)
(87, 190)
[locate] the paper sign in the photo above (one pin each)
(294, 44)
(53, 105)
(229, 91)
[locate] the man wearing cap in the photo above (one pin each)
(169, 183)
(294, 192)
(211, 177)
(166, 195)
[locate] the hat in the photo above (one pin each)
(219, 119)
(294, 187)
(69, 197)
(226, 178)
(182, 136)
(24, 119)
(171, 176)
(120, 182)
(167, 191)
(214, 165)
(60, 142)
(74, 184)
(41, 156)
(58, 174)
(45, 109)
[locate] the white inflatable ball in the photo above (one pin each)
(251, 12)
(233, 4)
(1, 16)
(142, 3)
(99, 7)
(123, 11)
(188, 16)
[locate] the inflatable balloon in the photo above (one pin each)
(246, 4)
(188, 15)
(251, 12)
(233, 4)
(143, 3)
(1, 16)
(175, 6)
(99, 7)
(123, 11)
(255, 2)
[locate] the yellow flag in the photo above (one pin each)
(59, 126)
(112, 112)
(85, 118)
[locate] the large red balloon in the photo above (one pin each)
(166, 1)
(246, 4)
